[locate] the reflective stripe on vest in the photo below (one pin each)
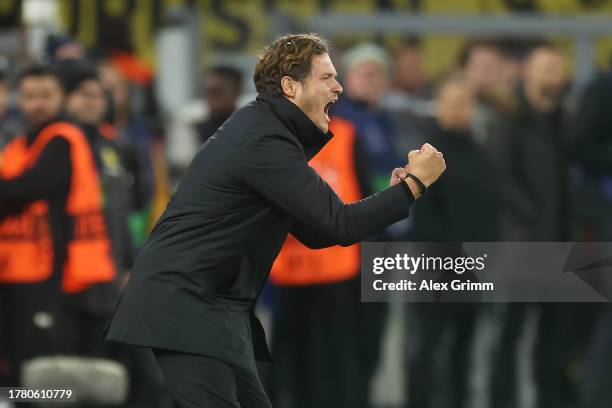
(30, 258)
(299, 265)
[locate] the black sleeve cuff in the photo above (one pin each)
(408, 191)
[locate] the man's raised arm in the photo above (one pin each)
(276, 168)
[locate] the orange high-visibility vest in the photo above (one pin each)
(298, 265)
(26, 248)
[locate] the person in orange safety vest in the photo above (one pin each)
(298, 265)
(26, 242)
(317, 294)
(54, 245)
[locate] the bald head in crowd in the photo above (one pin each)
(545, 78)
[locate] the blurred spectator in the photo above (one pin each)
(409, 99)
(87, 98)
(527, 149)
(191, 125)
(492, 73)
(316, 363)
(132, 131)
(54, 246)
(222, 88)
(366, 70)
(444, 216)
(366, 80)
(409, 75)
(448, 212)
(485, 66)
(87, 104)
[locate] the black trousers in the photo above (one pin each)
(197, 381)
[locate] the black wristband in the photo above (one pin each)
(418, 182)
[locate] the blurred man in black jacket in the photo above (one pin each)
(194, 287)
(450, 214)
(528, 151)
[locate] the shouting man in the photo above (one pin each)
(195, 284)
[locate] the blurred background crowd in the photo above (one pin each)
(517, 94)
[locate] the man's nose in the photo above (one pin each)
(338, 88)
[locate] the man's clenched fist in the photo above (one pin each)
(427, 164)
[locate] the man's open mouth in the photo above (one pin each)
(327, 108)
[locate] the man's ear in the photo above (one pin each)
(288, 85)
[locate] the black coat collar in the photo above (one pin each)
(307, 133)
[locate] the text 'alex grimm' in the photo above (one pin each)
(430, 285)
(411, 264)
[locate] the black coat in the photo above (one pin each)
(527, 151)
(462, 204)
(196, 282)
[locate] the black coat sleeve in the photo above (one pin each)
(49, 175)
(275, 167)
(312, 238)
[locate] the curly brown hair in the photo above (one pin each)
(290, 55)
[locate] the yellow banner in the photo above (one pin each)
(243, 26)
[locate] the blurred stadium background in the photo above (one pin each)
(479, 79)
